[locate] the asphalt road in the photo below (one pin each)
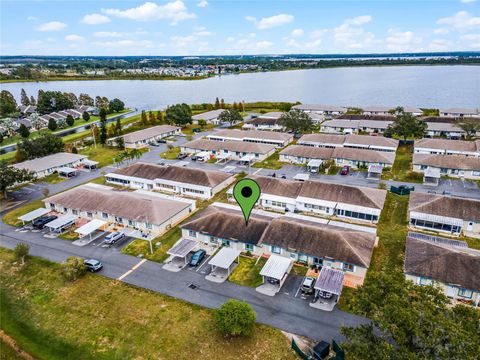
(285, 311)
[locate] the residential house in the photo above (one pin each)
(444, 129)
(459, 112)
(339, 126)
(262, 123)
(325, 199)
(377, 143)
(245, 152)
(447, 214)
(454, 269)
(292, 236)
(328, 110)
(211, 117)
(447, 147)
(49, 164)
(459, 166)
(27, 109)
(140, 139)
(356, 158)
(172, 179)
(385, 110)
(277, 139)
(146, 211)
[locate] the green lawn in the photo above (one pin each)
(170, 154)
(69, 235)
(247, 273)
(99, 318)
(402, 167)
(272, 162)
(103, 154)
(299, 270)
(11, 217)
(188, 129)
(142, 247)
(51, 179)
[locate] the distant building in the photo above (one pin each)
(460, 166)
(447, 147)
(277, 139)
(320, 109)
(140, 139)
(210, 117)
(442, 129)
(343, 126)
(454, 269)
(377, 143)
(262, 123)
(172, 179)
(460, 112)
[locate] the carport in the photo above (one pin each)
(32, 215)
(301, 177)
(60, 224)
(222, 263)
(274, 273)
(374, 172)
(328, 289)
(203, 156)
(90, 164)
(431, 176)
(222, 158)
(90, 227)
(246, 159)
(66, 172)
(178, 254)
(314, 165)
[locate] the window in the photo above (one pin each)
(165, 186)
(213, 239)
(132, 223)
(105, 215)
(425, 281)
(317, 261)
(476, 173)
(118, 219)
(52, 206)
(348, 267)
(89, 214)
(275, 249)
(279, 204)
(148, 225)
(465, 293)
(74, 212)
(226, 243)
(65, 209)
(192, 233)
(303, 258)
(249, 247)
(193, 191)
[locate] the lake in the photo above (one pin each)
(420, 86)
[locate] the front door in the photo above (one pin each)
(470, 226)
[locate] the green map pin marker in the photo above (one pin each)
(246, 192)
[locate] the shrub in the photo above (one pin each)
(73, 268)
(21, 251)
(235, 318)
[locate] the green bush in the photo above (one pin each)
(73, 268)
(235, 318)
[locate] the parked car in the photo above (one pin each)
(42, 221)
(161, 162)
(197, 130)
(308, 284)
(197, 257)
(194, 158)
(114, 237)
(162, 141)
(325, 295)
(345, 170)
(153, 143)
(182, 156)
(93, 265)
(283, 176)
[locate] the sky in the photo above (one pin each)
(229, 27)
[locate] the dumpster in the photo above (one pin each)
(402, 189)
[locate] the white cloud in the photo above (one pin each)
(124, 43)
(297, 32)
(441, 31)
(31, 18)
(108, 34)
(202, 31)
(95, 19)
(439, 45)
(473, 40)
(359, 20)
(51, 26)
(313, 45)
(402, 41)
(73, 37)
(461, 21)
(467, 1)
(202, 4)
(174, 11)
(272, 21)
(315, 34)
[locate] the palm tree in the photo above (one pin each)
(135, 154)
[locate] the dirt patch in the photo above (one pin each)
(10, 342)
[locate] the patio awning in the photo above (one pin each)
(61, 221)
(375, 169)
(90, 227)
(436, 218)
(301, 177)
(182, 247)
(315, 163)
(224, 258)
(32, 215)
(66, 170)
(247, 157)
(432, 173)
(330, 280)
(276, 267)
(89, 162)
(203, 154)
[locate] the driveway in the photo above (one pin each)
(285, 311)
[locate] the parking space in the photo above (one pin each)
(201, 268)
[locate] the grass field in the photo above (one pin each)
(52, 179)
(402, 167)
(170, 154)
(99, 318)
(103, 154)
(11, 217)
(188, 130)
(247, 273)
(272, 162)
